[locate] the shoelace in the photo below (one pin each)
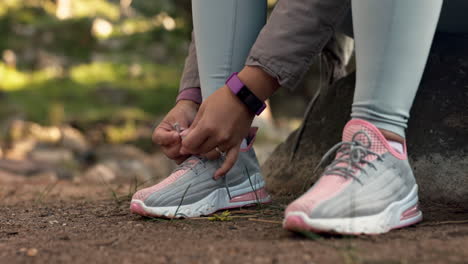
(352, 154)
(191, 165)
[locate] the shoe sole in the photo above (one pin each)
(242, 195)
(397, 215)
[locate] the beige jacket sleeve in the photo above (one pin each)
(190, 77)
(295, 33)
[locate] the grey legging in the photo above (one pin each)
(393, 38)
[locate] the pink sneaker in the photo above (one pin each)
(368, 189)
(191, 191)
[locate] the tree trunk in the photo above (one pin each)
(437, 131)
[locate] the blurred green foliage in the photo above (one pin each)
(90, 92)
(104, 62)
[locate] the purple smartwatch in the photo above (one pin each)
(253, 103)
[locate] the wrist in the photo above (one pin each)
(239, 104)
(187, 103)
(259, 82)
(191, 93)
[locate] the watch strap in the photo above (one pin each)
(253, 103)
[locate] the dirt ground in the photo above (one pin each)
(67, 222)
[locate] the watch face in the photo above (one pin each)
(252, 102)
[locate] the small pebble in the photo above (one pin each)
(32, 252)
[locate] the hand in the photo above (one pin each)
(223, 121)
(167, 137)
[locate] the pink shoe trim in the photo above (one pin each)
(373, 128)
(410, 212)
(261, 194)
(295, 223)
(144, 193)
(325, 188)
(416, 220)
(137, 209)
(250, 138)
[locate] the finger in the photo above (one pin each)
(210, 144)
(193, 140)
(165, 137)
(228, 163)
(165, 125)
(198, 116)
(212, 155)
(172, 152)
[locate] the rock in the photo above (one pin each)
(50, 176)
(161, 166)
(119, 152)
(19, 149)
(52, 156)
(42, 134)
(24, 136)
(100, 173)
(124, 163)
(32, 252)
(8, 177)
(437, 133)
(134, 169)
(119, 171)
(74, 140)
(32, 133)
(24, 167)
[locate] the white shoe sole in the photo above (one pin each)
(215, 201)
(390, 218)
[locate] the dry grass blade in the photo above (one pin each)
(211, 218)
(224, 216)
(180, 204)
(47, 190)
(266, 221)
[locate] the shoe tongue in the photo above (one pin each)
(192, 161)
(353, 131)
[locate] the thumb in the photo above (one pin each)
(165, 137)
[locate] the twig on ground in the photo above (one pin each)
(266, 221)
(211, 217)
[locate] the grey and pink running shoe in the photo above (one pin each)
(191, 191)
(368, 189)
